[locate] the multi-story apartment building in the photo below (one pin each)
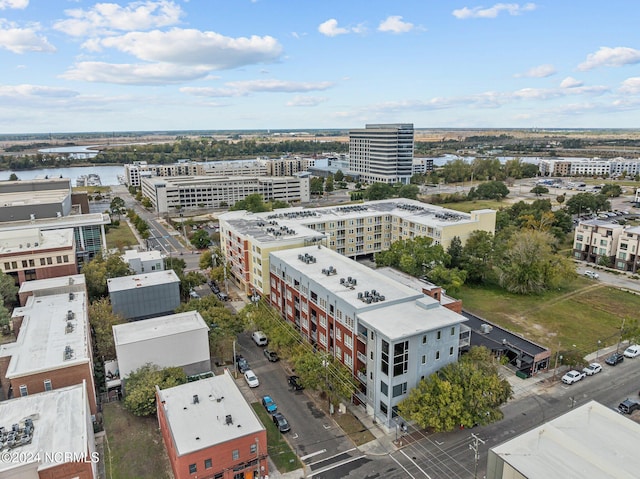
(628, 250)
(193, 192)
(387, 334)
(246, 239)
(59, 442)
(287, 166)
(591, 167)
(52, 349)
(382, 153)
(46, 287)
(624, 167)
(211, 432)
(422, 166)
(32, 254)
(134, 172)
(596, 240)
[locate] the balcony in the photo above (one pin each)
(362, 337)
(362, 376)
(362, 357)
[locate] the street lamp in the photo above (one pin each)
(598, 351)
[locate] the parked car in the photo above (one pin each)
(628, 406)
(614, 359)
(294, 382)
(243, 364)
(271, 355)
(281, 422)
(269, 404)
(632, 351)
(194, 295)
(573, 377)
(591, 369)
(591, 274)
(251, 378)
(222, 296)
(259, 338)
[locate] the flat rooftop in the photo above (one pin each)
(145, 280)
(367, 279)
(50, 338)
(52, 283)
(142, 255)
(186, 181)
(397, 321)
(264, 231)
(589, 441)
(198, 426)
(34, 240)
(71, 221)
(33, 197)
(169, 325)
(60, 420)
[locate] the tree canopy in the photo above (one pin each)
(582, 203)
(140, 387)
(201, 239)
(415, 256)
(102, 319)
(464, 393)
(253, 203)
(490, 190)
(99, 269)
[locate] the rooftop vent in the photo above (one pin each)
(195, 399)
(71, 296)
(70, 315)
(228, 419)
(69, 328)
(68, 353)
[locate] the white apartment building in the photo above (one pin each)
(135, 172)
(193, 192)
(382, 153)
(246, 239)
(628, 250)
(590, 167)
(387, 334)
(144, 261)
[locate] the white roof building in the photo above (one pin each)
(144, 261)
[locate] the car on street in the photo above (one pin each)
(222, 296)
(614, 359)
(243, 364)
(632, 351)
(269, 404)
(573, 377)
(259, 338)
(251, 378)
(591, 369)
(628, 406)
(281, 422)
(294, 382)
(271, 355)
(194, 295)
(591, 274)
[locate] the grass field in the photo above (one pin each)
(121, 236)
(135, 448)
(581, 314)
(467, 206)
(278, 449)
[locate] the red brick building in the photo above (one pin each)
(53, 347)
(211, 432)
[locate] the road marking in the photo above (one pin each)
(321, 451)
(326, 427)
(415, 464)
(338, 464)
(439, 443)
(405, 469)
(295, 436)
(331, 457)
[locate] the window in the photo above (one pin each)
(400, 358)
(24, 263)
(47, 385)
(208, 464)
(383, 408)
(424, 339)
(453, 330)
(235, 454)
(49, 260)
(438, 334)
(14, 265)
(8, 266)
(32, 262)
(437, 355)
(348, 360)
(384, 388)
(451, 351)
(42, 262)
(424, 359)
(348, 341)
(338, 334)
(253, 448)
(384, 361)
(399, 390)
(23, 390)
(59, 259)
(193, 468)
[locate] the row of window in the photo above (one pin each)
(439, 335)
(25, 392)
(31, 263)
(235, 454)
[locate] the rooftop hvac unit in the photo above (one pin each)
(485, 328)
(360, 295)
(71, 296)
(381, 298)
(228, 419)
(196, 400)
(70, 315)
(341, 280)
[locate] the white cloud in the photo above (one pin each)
(34, 91)
(23, 39)
(610, 57)
(306, 101)
(194, 47)
(540, 71)
(111, 17)
(17, 4)
(631, 86)
(134, 74)
(330, 28)
(493, 12)
(395, 24)
(243, 88)
(570, 82)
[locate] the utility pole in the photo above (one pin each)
(476, 453)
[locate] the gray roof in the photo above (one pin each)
(144, 280)
(591, 441)
(197, 426)
(169, 325)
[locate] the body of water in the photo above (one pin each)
(108, 174)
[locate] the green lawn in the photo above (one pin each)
(468, 206)
(135, 449)
(121, 236)
(581, 313)
(278, 449)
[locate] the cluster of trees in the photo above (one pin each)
(8, 294)
(256, 204)
(141, 225)
(140, 399)
(481, 169)
(462, 394)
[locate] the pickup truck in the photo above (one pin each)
(628, 406)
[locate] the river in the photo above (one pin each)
(108, 174)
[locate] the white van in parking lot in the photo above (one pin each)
(632, 351)
(259, 338)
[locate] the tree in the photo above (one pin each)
(8, 289)
(201, 239)
(5, 319)
(415, 256)
(117, 206)
(465, 393)
(456, 171)
(13, 177)
(328, 185)
(102, 319)
(316, 185)
(455, 252)
(99, 269)
(379, 191)
(560, 199)
(146, 202)
(539, 190)
(450, 279)
(582, 203)
(529, 265)
(253, 203)
(611, 190)
(408, 191)
(206, 260)
(477, 256)
(490, 190)
(140, 397)
(339, 176)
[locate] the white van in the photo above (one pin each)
(259, 338)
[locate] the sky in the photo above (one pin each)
(78, 66)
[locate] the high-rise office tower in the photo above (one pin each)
(382, 153)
